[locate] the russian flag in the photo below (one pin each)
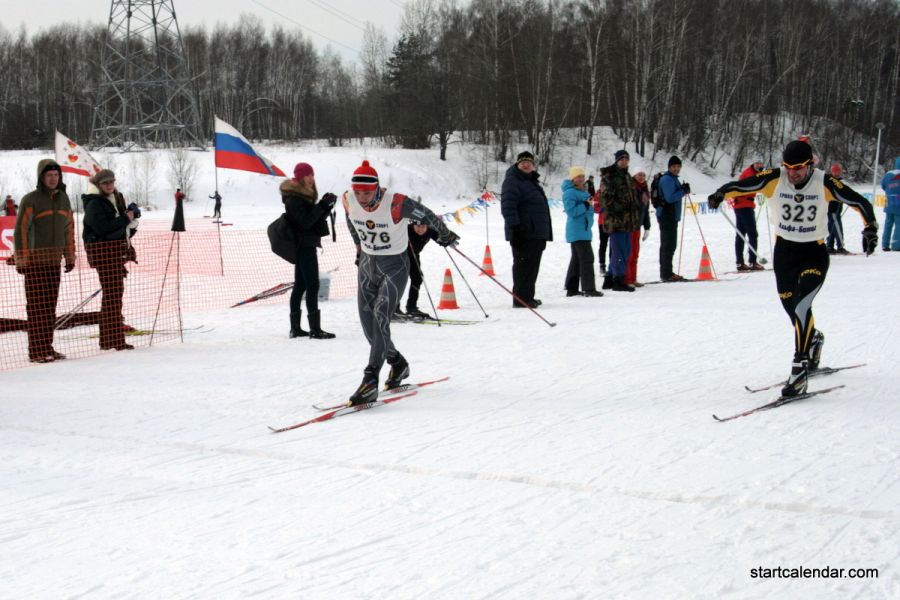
(233, 151)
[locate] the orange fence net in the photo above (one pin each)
(115, 298)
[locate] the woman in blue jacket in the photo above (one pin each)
(579, 219)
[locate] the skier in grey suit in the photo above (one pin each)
(378, 222)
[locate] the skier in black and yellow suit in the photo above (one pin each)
(798, 209)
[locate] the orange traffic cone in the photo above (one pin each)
(706, 271)
(448, 295)
(487, 266)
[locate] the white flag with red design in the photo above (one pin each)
(72, 158)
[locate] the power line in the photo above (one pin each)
(340, 15)
(304, 27)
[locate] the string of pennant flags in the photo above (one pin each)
(471, 209)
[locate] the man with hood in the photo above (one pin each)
(44, 235)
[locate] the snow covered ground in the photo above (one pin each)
(579, 461)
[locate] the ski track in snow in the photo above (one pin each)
(575, 462)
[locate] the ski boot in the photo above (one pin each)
(367, 392)
(418, 315)
(399, 372)
(815, 349)
(741, 267)
(796, 383)
(756, 267)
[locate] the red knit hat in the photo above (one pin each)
(837, 169)
(365, 178)
(302, 170)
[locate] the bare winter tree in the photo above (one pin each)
(709, 78)
(142, 179)
(183, 169)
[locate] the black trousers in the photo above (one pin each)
(526, 264)
(604, 245)
(581, 268)
(800, 269)
(41, 294)
(745, 220)
(668, 241)
(306, 279)
(111, 272)
(415, 280)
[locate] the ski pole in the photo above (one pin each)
(508, 291)
(702, 237)
(681, 242)
(450, 256)
(427, 292)
(762, 260)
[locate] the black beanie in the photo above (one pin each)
(674, 160)
(620, 154)
(526, 155)
(797, 153)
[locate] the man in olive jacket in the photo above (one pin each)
(45, 234)
(622, 218)
(528, 228)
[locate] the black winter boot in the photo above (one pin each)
(315, 327)
(367, 391)
(296, 329)
(619, 285)
(399, 372)
(607, 282)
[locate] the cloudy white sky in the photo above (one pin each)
(336, 23)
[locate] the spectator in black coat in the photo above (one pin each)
(419, 234)
(528, 228)
(308, 218)
(108, 228)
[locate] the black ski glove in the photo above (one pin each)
(869, 239)
(328, 200)
(686, 187)
(450, 239)
(715, 199)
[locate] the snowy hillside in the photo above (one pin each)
(579, 461)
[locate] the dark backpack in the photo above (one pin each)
(656, 198)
